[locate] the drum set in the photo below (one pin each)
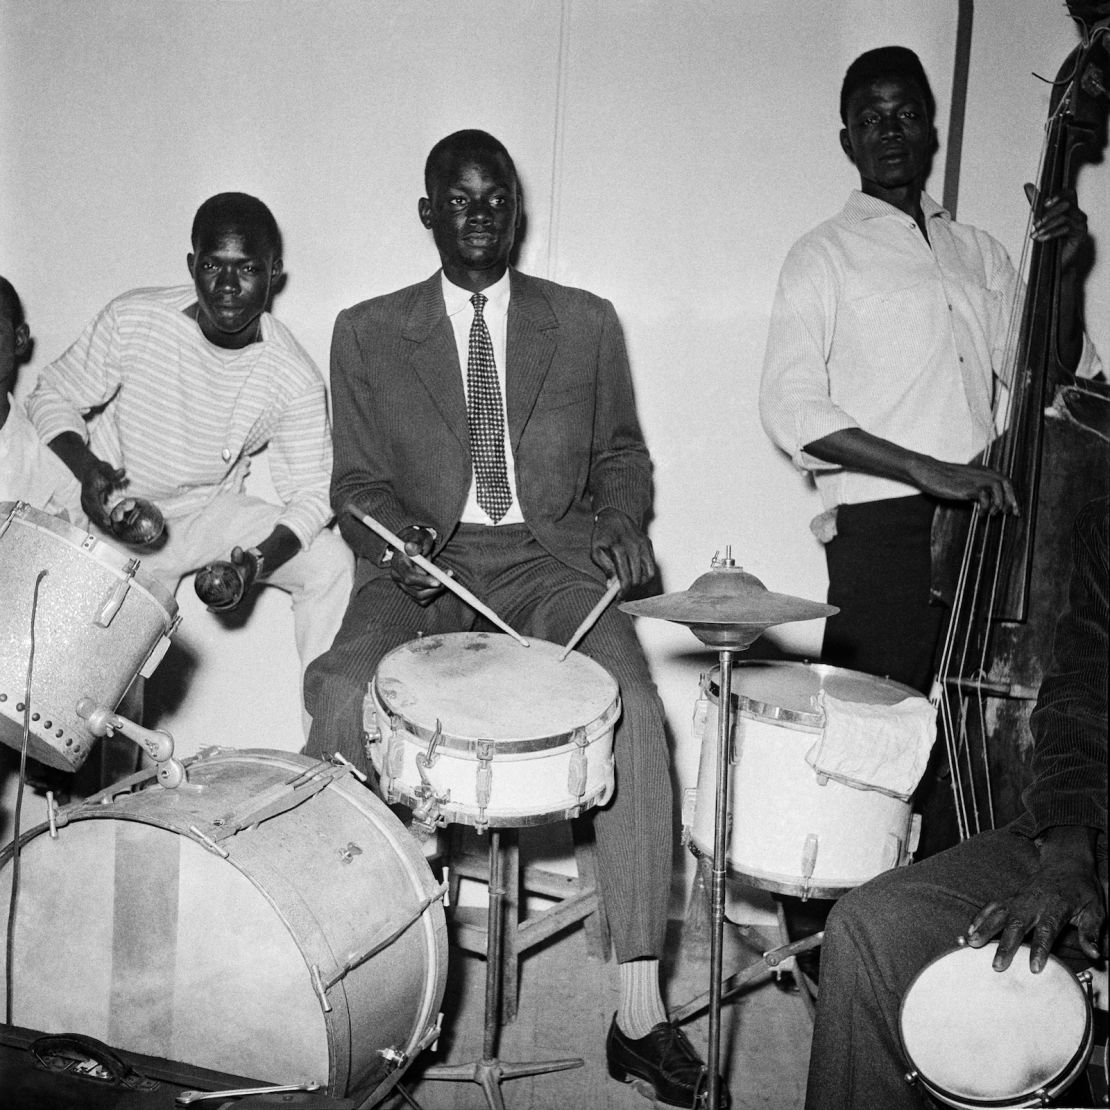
(261, 914)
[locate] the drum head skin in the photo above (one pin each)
(481, 686)
(977, 1036)
(787, 692)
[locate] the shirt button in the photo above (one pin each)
(225, 454)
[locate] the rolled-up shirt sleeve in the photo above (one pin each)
(794, 397)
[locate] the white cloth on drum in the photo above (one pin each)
(874, 747)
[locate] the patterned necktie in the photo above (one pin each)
(485, 419)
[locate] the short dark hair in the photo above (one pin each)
(885, 61)
(240, 209)
(10, 303)
(465, 145)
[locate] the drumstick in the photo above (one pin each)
(439, 575)
(591, 616)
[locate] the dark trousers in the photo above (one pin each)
(539, 597)
(877, 938)
(879, 576)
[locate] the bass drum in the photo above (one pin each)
(270, 919)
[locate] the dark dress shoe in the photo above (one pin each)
(665, 1062)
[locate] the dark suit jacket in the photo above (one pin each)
(402, 451)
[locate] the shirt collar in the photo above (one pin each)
(860, 207)
(455, 298)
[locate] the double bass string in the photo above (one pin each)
(964, 658)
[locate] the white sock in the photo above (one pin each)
(641, 1006)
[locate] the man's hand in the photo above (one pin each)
(417, 583)
(1064, 890)
(622, 550)
(965, 482)
(99, 480)
(223, 585)
(1060, 217)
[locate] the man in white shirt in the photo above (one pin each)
(166, 395)
(883, 362)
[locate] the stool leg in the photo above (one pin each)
(595, 923)
(510, 955)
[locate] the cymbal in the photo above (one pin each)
(728, 607)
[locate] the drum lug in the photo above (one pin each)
(16, 510)
(483, 780)
(911, 1078)
(809, 862)
(577, 772)
(114, 598)
(426, 815)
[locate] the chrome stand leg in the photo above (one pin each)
(489, 1072)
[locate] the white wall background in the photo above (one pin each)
(670, 154)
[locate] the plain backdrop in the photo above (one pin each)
(670, 153)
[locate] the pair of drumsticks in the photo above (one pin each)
(461, 591)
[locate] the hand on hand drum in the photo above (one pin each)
(221, 585)
(137, 522)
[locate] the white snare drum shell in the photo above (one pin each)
(978, 1037)
(473, 728)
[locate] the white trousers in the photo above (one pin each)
(317, 579)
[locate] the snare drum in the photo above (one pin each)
(977, 1037)
(475, 729)
(272, 919)
(98, 622)
(791, 831)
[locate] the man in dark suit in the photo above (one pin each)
(487, 419)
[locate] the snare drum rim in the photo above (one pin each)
(1028, 1097)
(767, 711)
(502, 746)
(505, 746)
(95, 547)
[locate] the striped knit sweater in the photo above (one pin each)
(183, 416)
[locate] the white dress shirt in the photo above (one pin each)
(874, 327)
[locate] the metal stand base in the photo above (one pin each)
(489, 1072)
(770, 963)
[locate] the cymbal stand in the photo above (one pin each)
(729, 610)
(489, 1072)
(717, 883)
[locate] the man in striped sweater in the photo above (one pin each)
(166, 395)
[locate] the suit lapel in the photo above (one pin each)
(530, 347)
(435, 361)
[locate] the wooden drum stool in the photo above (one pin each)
(578, 900)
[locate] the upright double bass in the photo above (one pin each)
(1004, 577)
